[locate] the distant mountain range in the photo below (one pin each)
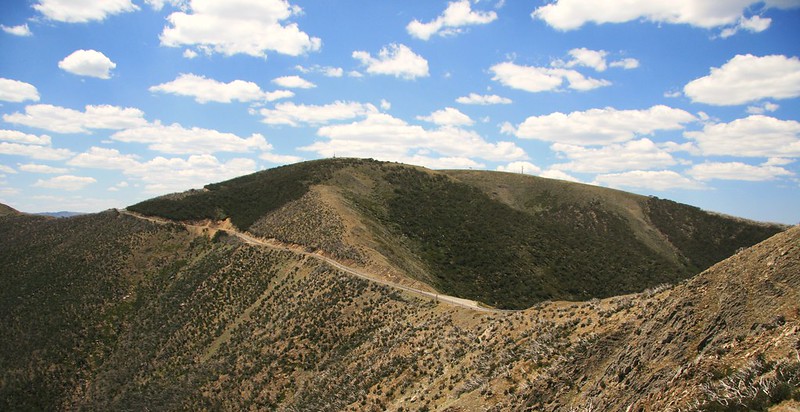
(315, 287)
(61, 214)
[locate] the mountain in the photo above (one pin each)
(61, 214)
(112, 311)
(7, 210)
(503, 239)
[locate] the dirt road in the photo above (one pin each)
(277, 245)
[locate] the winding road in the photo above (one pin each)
(277, 245)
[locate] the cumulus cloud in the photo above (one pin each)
(251, 27)
(279, 159)
(540, 79)
(42, 169)
(572, 14)
(394, 60)
(327, 71)
(82, 11)
(34, 151)
(560, 175)
(176, 139)
(520, 167)
(16, 143)
(292, 114)
(752, 136)
(293, 82)
(209, 90)
(601, 126)
(594, 59)
(447, 117)
(63, 120)
(747, 78)
(25, 138)
(627, 63)
(458, 14)
(386, 137)
(102, 158)
(762, 108)
(639, 154)
(164, 175)
(648, 179)
(737, 171)
(65, 182)
(755, 24)
(89, 63)
(486, 99)
(17, 91)
(22, 30)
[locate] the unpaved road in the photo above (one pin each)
(277, 245)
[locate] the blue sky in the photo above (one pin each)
(107, 103)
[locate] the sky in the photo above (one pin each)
(107, 103)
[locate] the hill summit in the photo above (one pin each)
(506, 240)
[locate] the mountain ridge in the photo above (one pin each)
(504, 239)
(111, 312)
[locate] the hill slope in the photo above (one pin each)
(503, 239)
(110, 312)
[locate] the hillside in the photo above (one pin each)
(7, 210)
(112, 312)
(507, 240)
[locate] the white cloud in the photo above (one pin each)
(327, 71)
(82, 11)
(541, 79)
(176, 139)
(602, 126)
(385, 104)
(65, 182)
(164, 175)
(762, 108)
(293, 82)
(279, 159)
(209, 90)
(385, 137)
(42, 169)
(90, 63)
(654, 180)
(627, 63)
(755, 24)
(22, 30)
(572, 14)
(190, 54)
(457, 14)
(447, 117)
(520, 167)
(6, 169)
(102, 158)
(560, 175)
(19, 137)
(752, 136)
(17, 91)
(297, 114)
(737, 171)
(633, 155)
(474, 98)
(595, 59)
(747, 78)
(395, 60)
(230, 27)
(63, 120)
(34, 151)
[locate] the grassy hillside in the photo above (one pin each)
(7, 210)
(107, 312)
(506, 240)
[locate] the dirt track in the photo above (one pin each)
(277, 245)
